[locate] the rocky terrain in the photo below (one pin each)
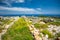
(31, 28)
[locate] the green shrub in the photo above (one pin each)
(37, 25)
(48, 33)
(54, 23)
(58, 34)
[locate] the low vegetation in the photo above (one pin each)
(39, 26)
(46, 32)
(18, 31)
(54, 23)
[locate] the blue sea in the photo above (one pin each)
(52, 15)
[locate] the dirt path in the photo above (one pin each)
(6, 27)
(35, 32)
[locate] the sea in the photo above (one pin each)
(51, 15)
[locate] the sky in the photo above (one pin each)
(29, 7)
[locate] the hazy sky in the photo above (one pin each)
(29, 6)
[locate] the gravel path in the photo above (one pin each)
(35, 32)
